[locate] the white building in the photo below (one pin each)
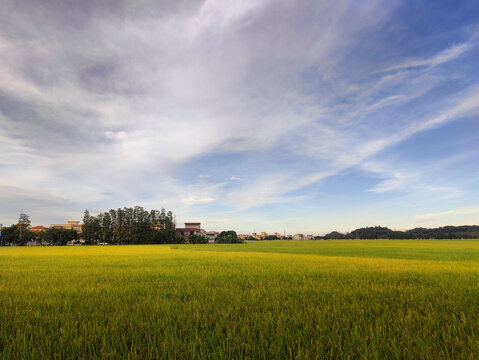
(211, 235)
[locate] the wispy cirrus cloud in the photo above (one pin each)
(442, 57)
(346, 156)
(446, 214)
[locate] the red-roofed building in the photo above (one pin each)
(38, 228)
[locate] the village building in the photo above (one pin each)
(71, 225)
(256, 236)
(212, 235)
(190, 229)
(37, 228)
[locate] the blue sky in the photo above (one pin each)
(260, 115)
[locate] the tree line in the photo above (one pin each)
(130, 225)
(224, 237)
(379, 232)
(135, 225)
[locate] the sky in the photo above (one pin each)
(261, 115)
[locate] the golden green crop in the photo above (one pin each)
(313, 299)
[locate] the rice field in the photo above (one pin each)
(375, 299)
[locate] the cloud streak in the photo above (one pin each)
(442, 57)
(446, 214)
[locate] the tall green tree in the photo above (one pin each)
(87, 230)
(91, 230)
(121, 229)
(24, 225)
(106, 228)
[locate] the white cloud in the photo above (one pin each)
(447, 214)
(123, 107)
(444, 56)
(192, 200)
(397, 181)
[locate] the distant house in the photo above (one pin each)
(211, 235)
(38, 228)
(298, 237)
(71, 225)
(190, 229)
(256, 236)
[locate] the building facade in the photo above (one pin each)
(190, 229)
(70, 225)
(212, 235)
(37, 228)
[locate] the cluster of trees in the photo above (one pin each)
(379, 232)
(197, 239)
(20, 234)
(133, 225)
(228, 237)
(58, 236)
(446, 232)
(271, 237)
(225, 237)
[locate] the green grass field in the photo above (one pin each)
(291, 299)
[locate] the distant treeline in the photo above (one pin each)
(379, 232)
(136, 225)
